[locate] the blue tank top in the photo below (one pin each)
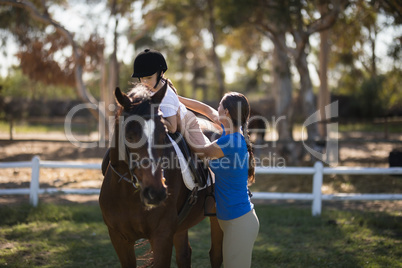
(231, 174)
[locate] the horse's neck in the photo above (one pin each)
(114, 150)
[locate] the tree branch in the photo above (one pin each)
(46, 19)
(328, 19)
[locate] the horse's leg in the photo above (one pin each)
(215, 253)
(124, 249)
(183, 249)
(162, 246)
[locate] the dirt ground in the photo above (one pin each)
(372, 154)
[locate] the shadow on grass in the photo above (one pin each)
(12, 215)
(54, 236)
(291, 237)
(75, 236)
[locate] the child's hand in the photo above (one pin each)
(164, 124)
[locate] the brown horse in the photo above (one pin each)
(138, 199)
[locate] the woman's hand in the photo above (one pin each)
(170, 123)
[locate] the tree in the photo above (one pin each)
(32, 29)
(76, 62)
(354, 57)
(302, 28)
(277, 20)
(191, 21)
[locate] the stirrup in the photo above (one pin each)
(206, 212)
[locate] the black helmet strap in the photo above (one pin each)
(158, 79)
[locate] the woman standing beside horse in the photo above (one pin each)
(233, 165)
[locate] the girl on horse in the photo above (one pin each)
(150, 67)
(232, 161)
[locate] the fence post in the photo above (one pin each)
(34, 187)
(11, 127)
(317, 183)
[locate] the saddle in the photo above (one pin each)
(198, 172)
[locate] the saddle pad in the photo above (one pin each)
(188, 177)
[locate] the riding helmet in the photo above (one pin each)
(149, 62)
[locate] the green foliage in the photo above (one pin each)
(17, 84)
(353, 36)
(371, 96)
(236, 12)
(392, 89)
(377, 95)
(367, 99)
(19, 22)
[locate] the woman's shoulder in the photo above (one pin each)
(236, 136)
(232, 142)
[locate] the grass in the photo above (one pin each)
(75, 236)
(30, 128)
(54, 236)
(366, 127)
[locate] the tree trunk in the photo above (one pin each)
(217, 62)
(113, 77)
(283, 93)
(324, 95)
(113, 80)
(306, 94)
(373, 36)
(283, 123)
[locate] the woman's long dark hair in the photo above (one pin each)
(239, 110)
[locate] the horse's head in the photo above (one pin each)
(141, 136)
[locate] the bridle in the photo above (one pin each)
(133, 164)
(133, 180)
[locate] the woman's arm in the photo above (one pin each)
(211, 151)
(201, 108)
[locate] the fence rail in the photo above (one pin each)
(318, 171)
(34, 190)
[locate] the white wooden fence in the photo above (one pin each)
(34, 191)
(318, 171)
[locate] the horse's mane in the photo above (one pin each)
(140, 97)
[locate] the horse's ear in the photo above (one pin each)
(159, 95)
(121, 98)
